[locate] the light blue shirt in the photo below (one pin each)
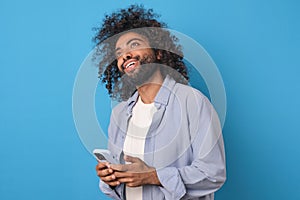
(184, 143)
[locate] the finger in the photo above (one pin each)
(109, 178)
(120, 168)
(112, 183)
(133, 184)
(101, 165)
(126, 180)
(131, 159)
(104, 172)
(122, 174)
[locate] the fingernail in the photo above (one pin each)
(110, 171)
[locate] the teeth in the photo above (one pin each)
(129, 64)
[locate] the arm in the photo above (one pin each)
(202, 177)
(113, 192)
(207, 172)
(110, 185)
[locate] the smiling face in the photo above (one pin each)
(132, 52)
(129, 47)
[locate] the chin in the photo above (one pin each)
(132, 72)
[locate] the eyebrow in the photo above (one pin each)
(129, 42)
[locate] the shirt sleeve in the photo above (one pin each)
(118, 191)
(115, 193)
(207, 172)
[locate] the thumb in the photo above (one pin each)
(131, 159)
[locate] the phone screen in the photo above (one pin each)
(100, 156)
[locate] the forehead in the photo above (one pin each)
(123, 39)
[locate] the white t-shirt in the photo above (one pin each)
(134, 144)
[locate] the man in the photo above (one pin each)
(165, 133)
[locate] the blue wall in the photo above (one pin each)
(255, 45)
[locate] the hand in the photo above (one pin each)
(106, 174)
(136, 174)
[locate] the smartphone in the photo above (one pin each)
(104, 155)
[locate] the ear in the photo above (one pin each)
(158, 54)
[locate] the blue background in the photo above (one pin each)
(254, 43)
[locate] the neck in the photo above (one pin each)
(149, 90)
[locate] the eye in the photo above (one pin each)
(118, 54)
(134, 45)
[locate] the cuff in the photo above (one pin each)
(115, 193)
(172, 185)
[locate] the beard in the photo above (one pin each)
(143, 72)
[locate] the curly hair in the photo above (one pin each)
(142, 21)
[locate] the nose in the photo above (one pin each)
(127, 55)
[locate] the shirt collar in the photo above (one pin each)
(165, 91)
(162, 97)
